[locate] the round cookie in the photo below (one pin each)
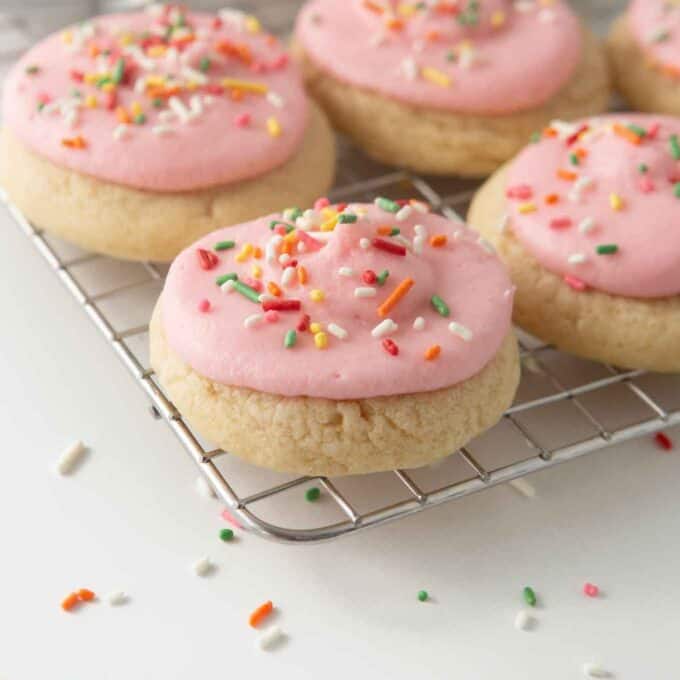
(345, 339)
(588, 222)
(134, 134)
(644, 50)
(446, 91)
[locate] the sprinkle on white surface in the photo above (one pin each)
(346, 271)
(523, 620)
(384, 328)
(337, 331)
(203, 566)
(594, 670)
(204, 488)
(365, 292)
(419, 324)
(523, 487)
(70, 458)
(250, 321)
(117, 598)
(270, 637)
(461, 331)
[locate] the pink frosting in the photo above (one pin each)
(222, 140)
(507, 56)
(656, 26)
(206, 325)
(624, 191)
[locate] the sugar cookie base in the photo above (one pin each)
(312, 436)
(626, 332)
(444, 143)
(637, 79)
(143, 225)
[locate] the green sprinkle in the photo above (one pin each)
(41, 105)
(225, 245)
(395, 231)
(290, 339)
(289, 227)
(639, 131)
(643, 168)
(675, 147)
(450, 56)
(32, 70)
(676, 190)
(226, 535)
(574, 159)
(347, 218)
(204, 64)
(382, 277)
(423, 595)
(607, 249)
(221, 280)
(529, 596)
(103, 81)
(118, 71)
(470, 15)
(439, 305)
(247, 291)
(535, 137)
(313, 494)
(140, 119)
(157, 103)
(75, 92)
(293, 213)
(387, 205)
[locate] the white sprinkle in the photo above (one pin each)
(523, 487)
(404, 213)
(461, 331)
(365, 243)
(204, 488)
(384, 328)
(253, 320)
(377, 39)
(270, 638)
(208, 99)
(421, 207)
(166, 116)
(586, 225)
(467, 57)
(121, 131)
(284, 257)
(523, 620)
(71, 117)
(420, 230)
(196, 105)
(270, 248)
(577, 258)
(276, 100)
(419, 324)
(287, 276)
(563, 128)
(337, 331)
(117, 598)
(70, 458)
(346, 271)
(486, 245)
(409, 68)
(140, 85)
(418, 244)
(365, 292)
(177, 105)
(594, 670)
(503, 224)
(227, 286)
(301, 247)
(203, 566)
(191, 74)
(234, 17)
(161, 130)
(264, 297)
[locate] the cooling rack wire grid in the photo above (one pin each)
(565, 408)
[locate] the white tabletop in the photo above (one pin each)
(349, 607)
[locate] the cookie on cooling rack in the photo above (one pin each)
(644, 49)
(448, 87)
(345, 339)
(588, 221)
(134, 134)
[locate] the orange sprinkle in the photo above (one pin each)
(302, 275)
(257, 253)
(236, 94)
(261, 613)
(69, 602)
(438, 241)
(394, 24)
(287, 247)
(581, 152)
(74, 142)
(85, 595)
(433, 36)
(627, 134)
(431, 353)
(385, 230)
(551, 199)
(122, 115)
(549, 132)
(162, 92)
(373, 7)
(397, 294)
(567, 175)
(274, 289)
(93, 51)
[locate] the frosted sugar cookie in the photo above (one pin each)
(644, 49)
(588, 221)
(134, 134)
(343, 339)
(448, 87)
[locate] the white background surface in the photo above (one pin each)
(130, 519)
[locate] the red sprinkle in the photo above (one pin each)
(303, 323)
(110, 100)
(321, 203)
(653, 131)
(575, 283)
(664, 441)
(204, 306)
(282, 305)
(78, 76)
(389, 247)
(574, 138)
(390, 347)
(646, 185)
(206, 259)
(243, 120)
(369, 276)
(522, 192)
(591, 590)
(560, 223)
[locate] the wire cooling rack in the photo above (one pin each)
(565, 407)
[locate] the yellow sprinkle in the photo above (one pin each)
(154, 81)
(91, 101)
(498, 19)
(317, 295)
(108, 87)
(244, 85)
(315, 327)
(126, 39)
(435, 76)
(157, 50)
(320, 340)
(615, 201)
(527, 208)
(330, 225)
(291, 238)
(407, 9)
(91, 78)
(257, 271)
(245, 253)
(253, 24)
(136, 108)
(191, 85)
(329, 212)
(273, 127)
(67, 37)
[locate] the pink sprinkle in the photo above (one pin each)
(272, 316)
(311, 244)
(204, 306)
(44, 98)
(280, 230)
(646, 185)
(242, 120)
(280, 62)
(522, 192)
(591, 590)
(258, 67)
(560, 223)
(226, 515)
(253, 283)
(321, 203)
(575, 283)
(653, 131)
